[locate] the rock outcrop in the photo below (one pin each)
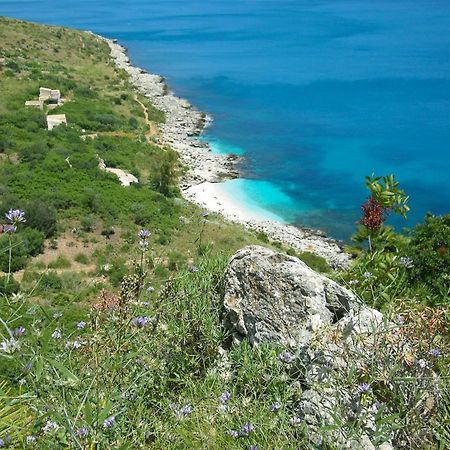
(274, 297)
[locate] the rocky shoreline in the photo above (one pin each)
(183, 125)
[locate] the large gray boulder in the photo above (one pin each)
(271, 296)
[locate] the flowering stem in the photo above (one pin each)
(9, 262)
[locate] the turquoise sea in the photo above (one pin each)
(314, 94)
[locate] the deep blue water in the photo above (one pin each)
(316, 94)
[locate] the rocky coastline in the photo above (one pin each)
(181, 130)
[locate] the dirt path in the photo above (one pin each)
(152, 128)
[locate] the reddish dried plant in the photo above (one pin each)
(105, 302)
(373, 214)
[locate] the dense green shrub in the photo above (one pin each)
(50, 281)
(313, 261)
(41, 216)
(25, 243)
(82, 258)
(429, 250)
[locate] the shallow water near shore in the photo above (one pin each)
(315, 95)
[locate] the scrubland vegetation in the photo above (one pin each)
(113, 338)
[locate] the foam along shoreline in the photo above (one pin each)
(181, 131)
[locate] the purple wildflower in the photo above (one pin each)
(275, 407)
(81, 325)
(56, 334)
(285, 356)
(367, 274)
(252, 447)
(233, 433)
(205, 214)
(109, 421)
(82, 432)
(9, 228)
(222, 408)
(140, 321)
(17, 332)
(180, 413)
(185, 410)
(150, 289)
(246, 429)
(30, 440)
(27, 367)
(143, 244)
(224, 397)
(435, 352)
(9, 346)
(144, 234)
(295, 420)
(406, 262)
(194, 269)
(49, 426)
(399, 319)
(173, 407)
(15, 216)
(363, 387)
(73, 345)
(2, 443)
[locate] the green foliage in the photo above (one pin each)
(313, 261)
(163, 175)
(25, 243)
(385, 197)
(8, 286)
(59, 263)
(41, 216)
(82, 258)
(87, 223)
(429, 250)
(50, 281)
(386, 191)
(14, 415)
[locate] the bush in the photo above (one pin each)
(87, 223)
(28, 242)
(429, 250)
(82, 258)
(313, 261)
(50, 282)
(59, 263)
(41, 216)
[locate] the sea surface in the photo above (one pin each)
(314, 94)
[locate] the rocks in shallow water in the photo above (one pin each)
(274, 297)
